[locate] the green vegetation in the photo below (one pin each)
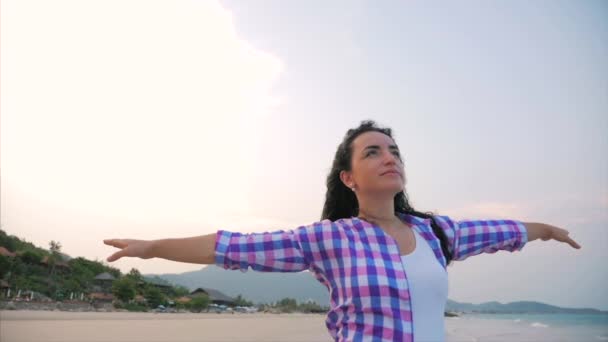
(240, 301)
(288, 305)
(199, 303)
(47, 272)
(51, 274)
(124, 289)
(154, 296)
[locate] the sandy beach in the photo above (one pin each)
(56, 326)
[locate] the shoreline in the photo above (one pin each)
(65, 326)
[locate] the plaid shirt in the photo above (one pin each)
(361, 265)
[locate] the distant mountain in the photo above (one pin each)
(516, 307)
(261, 287)
(258, 287)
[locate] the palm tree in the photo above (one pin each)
(55, 249)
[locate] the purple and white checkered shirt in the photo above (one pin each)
(361, 265)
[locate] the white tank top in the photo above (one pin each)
(428, 284)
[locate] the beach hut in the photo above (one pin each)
(103, 282)
(215, 296)
(161, 284)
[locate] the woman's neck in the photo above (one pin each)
(379, 210)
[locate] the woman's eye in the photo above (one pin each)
(369, 153)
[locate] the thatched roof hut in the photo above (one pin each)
(215, 296)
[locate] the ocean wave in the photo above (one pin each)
(602, 338)
(517, 320)
(539, 325)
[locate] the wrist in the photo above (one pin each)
(548, 232)
(153, 249)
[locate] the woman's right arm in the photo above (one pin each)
(196, 250)
(277, 251)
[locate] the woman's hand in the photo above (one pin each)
(561, 235)
(548, 232)
(130, 248)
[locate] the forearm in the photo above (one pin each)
(537, 231)
(196, 250)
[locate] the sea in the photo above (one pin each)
(558, 326)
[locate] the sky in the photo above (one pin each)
(154, 119)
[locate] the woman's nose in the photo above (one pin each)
(390, 158)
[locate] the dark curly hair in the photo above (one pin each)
(341, 202)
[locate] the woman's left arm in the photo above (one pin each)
(548, 232)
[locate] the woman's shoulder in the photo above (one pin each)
(327, 226)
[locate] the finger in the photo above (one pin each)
(572, 243)
(116, 256)
(119, 243)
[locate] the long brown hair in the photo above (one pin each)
(341, 202)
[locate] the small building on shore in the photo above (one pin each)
(103, 282)
(163, 285)
(215, 296)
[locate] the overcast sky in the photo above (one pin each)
(153, 119)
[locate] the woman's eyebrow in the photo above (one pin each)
(377, 147)
(371, 147)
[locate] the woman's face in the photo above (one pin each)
(376, 165)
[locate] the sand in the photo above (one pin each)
(29, 326)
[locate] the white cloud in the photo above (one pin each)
(137, 106)
(141, 110)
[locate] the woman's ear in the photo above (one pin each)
(347, 179)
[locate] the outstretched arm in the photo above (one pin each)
(548, 232)
(278, 251)
(472, 237)
(196, 250)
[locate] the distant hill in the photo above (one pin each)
(516, 307)
(261, 287)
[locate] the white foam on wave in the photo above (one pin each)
(602, 338)
(538, 325)
(517, 320)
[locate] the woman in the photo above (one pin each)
(383, 263)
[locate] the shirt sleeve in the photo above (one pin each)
(472, 237)
(278, 251)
